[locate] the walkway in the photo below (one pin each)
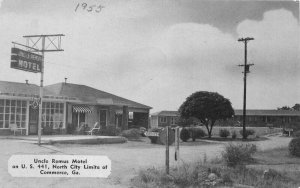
(70, 139)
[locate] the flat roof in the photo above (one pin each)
(166, 113)
(256, 112)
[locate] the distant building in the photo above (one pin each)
(65, 107)
(164, 118)
(277, 118)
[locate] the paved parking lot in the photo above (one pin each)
(126, 158)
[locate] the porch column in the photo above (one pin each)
(27, 118)
(78, 120)
(125, 118)
(112, 117)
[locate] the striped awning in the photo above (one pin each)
(81, 109)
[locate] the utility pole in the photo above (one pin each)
(246, 70)
(53, 44)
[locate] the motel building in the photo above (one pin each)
(254, 118)
(65, 108)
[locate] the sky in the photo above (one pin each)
(158, 52)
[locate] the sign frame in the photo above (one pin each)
(26, 60)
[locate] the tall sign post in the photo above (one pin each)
(53, 43)
(26, 61)
(246, 70)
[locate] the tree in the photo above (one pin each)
(296, 107)
(285, 108)
(187, 122)
(207, 107)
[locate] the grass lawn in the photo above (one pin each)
(198, 175)
(285, 174)
(259, 131)
(143, 142)
(279, 160)
(250, 139)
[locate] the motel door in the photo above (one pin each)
(103, 117)
(33, 120)
(77, 118)
(119, 120)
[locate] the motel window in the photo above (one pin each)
(130, 114)
(163, 119)
(250, 118)
(12, 112)
(52, 114)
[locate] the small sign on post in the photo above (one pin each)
(156, 134)
(35, 102)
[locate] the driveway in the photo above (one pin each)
(127, 159)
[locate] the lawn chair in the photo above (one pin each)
(14, 127)
(95, 128)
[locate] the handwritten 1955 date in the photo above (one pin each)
(89, 8)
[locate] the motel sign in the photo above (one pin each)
(24, 60)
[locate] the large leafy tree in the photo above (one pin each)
(296, 107)
(285, 108)
(207, 107)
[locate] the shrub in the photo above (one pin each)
(296, 134)
(294, 147)
(233, 135)
(224, 133)
(196, 133)
(47, 130)
(110, 131)
(226, 179)
(70, 128)
(238, 154)
(131, 134)
(184, 135)
(248, 132)
(142, 131)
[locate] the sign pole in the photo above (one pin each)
(53, 45)
(167, 151)
(176, 143)
(41, 93)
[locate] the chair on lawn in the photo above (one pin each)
(95, 128)
(14, 127)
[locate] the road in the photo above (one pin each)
(127, 160)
